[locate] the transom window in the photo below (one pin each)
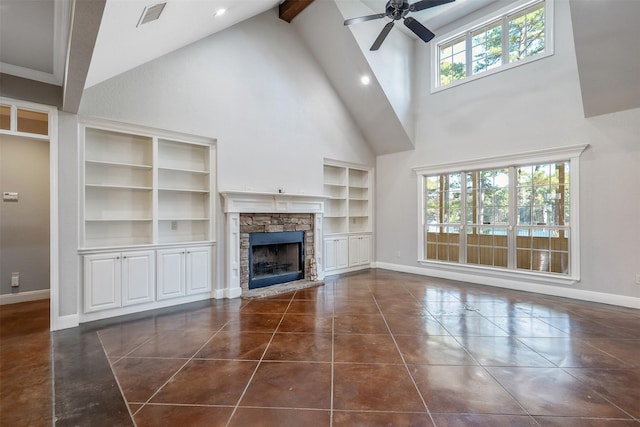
(510, 37)
(511, 218)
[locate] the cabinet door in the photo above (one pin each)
(138, 277)
(171, 273)
(102, 282)
(330, 254)
(342, 252)
(198, 270)
(359, 250)
(354, 251)
(364, 251)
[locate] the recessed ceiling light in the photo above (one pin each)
(365, 80)
(220, 12)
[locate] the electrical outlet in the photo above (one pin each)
(637, 278)
(15, 279)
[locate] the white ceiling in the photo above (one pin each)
(121, 45)
(42, 28)
(34, 37)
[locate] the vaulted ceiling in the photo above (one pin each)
(99, 39)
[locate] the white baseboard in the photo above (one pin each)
(65, 322)
(218, 294)
(232, 292)
(24, 297)
(558, 291)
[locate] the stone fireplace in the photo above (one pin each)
(263, 217)
(277, 236)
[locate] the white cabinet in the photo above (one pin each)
(147, 215)
(113, 280)
(171, 273)
(348, 205)
(198, 273)
(138, 277)
(184, 200)
(359, 250)
(141, 189)
(348, 216)
(336, 253)
(183, 271)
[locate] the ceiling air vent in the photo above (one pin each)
(151, 13)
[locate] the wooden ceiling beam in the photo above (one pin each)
(289, 9)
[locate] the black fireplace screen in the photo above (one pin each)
(275, 258)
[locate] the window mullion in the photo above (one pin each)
(511, 229)
(468, 46)
(505, 40)
(462, 250)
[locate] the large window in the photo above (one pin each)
(511, 218)
(509, 37)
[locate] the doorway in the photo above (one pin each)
(24, 218)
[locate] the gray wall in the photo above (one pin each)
(24, 226)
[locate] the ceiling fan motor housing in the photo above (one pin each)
(397, 9)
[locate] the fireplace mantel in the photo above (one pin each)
(252, 202)
(244, 202)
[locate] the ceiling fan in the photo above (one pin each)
(396, 10)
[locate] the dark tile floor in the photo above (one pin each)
(366, 349)
(25, 365)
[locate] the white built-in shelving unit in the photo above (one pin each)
(348, 215)
(150, 191)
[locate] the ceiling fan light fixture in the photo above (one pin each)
(397, 10)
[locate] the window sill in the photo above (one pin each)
(528, 276)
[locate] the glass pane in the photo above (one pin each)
(527, 33)
(33, 122)
(5, 117)
(452, 61)
(492, 201)
(486, 46)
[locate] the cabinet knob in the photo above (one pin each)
(117, 257)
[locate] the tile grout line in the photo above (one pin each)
(179, 369)
(403, 359)
(253, 374)
(113, 372)
(484, 368)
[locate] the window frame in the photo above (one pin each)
(502, 15)
(569, 154)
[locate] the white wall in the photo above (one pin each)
(257, 90)
(531, 107)
(253, 87)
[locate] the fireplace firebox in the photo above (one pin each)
(275, 258)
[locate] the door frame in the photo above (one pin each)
(52, 137)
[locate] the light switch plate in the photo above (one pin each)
(8, 196)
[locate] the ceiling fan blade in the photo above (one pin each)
(364, 18)
(419, 29)
(426, 4)
(383, 35)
